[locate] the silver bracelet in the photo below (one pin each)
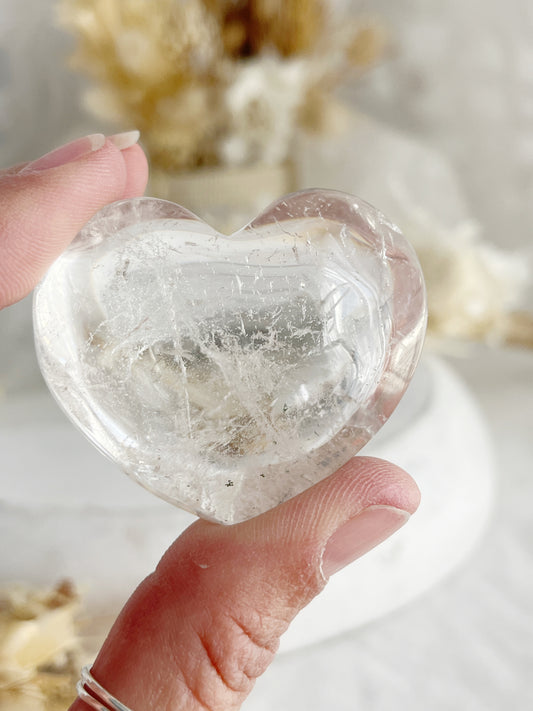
(95, 696)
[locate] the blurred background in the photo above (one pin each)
(422, 107)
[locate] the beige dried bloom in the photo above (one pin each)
(473, 288)
(145, 58)
(39, 648)
(173, 68)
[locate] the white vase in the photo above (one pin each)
(226, 198)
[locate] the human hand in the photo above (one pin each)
(45, 203)
(199, 630)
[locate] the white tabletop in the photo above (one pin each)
(467, 644)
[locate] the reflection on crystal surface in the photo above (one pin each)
(227, 374)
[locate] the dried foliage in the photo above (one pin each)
(474, 289)
(212, 82)
(39, 648)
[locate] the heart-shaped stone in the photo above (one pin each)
(227, 374)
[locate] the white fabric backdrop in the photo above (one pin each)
(461, 77)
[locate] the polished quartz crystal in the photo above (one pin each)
(227, 374)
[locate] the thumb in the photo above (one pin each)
(44, 204)
(198, 631)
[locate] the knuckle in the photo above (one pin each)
(227, 639)
(232, 656)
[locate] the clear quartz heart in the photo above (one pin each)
(227, 374)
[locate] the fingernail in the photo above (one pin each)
(125, 140)
(66, 154)
(79, 148)
(359, 535)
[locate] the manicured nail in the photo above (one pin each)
(125, 140)
(359, 535)
(68, 153)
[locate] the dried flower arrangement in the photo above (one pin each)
(228, 83)
(214, 82)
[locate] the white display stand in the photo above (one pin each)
(65, 511)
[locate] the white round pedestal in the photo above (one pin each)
(65, 511)
(438, 436)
